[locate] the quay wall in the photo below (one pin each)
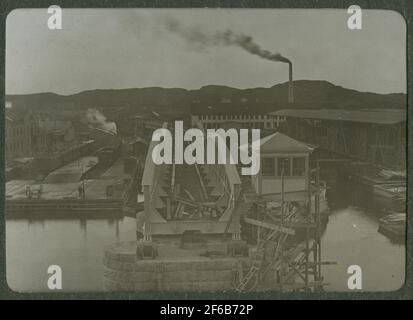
(124, 272)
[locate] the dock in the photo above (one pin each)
(59, 193)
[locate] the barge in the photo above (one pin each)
(385, 188)
(393, 225)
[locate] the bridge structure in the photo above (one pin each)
(183, 198)
(269, 240)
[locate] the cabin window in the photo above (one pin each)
(283, 163)
(268, 166)
(299, 166)
(322, 131)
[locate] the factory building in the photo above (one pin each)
(227, 113)
(259, 121)
(28, 133)
(19, 132)
(373, 135)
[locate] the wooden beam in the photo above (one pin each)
(201, 181)
(298, 224)
(310, 263)
(189, 195)
(173, 178)
(270, 226)
(331, 160)
(168, 208)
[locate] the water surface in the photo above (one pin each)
(77, 246)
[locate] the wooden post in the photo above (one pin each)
(148, 208)
(307, 247)
(282, 224)
(318, 221)
(168, 208)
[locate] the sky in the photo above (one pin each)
(133, 48)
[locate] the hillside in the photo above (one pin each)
(307, 94)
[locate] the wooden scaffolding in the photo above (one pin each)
(287, 256)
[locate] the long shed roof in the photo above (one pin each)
(379, 116)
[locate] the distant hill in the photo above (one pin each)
(307, 94)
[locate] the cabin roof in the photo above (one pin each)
(281, 143)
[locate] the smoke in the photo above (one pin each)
(195, 35)
(97, 119)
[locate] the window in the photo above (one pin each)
(298, 167)
(322, 131)
(268, 166)
(283, 163)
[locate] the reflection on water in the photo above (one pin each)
(77, 246)
(351, 238)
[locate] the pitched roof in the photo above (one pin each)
(13, 116)
(281, 143)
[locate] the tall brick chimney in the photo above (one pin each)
(290, 83)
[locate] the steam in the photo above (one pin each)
(199, 37)
(97, 119)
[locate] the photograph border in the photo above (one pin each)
(404, 8)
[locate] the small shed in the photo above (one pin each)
(282, 157)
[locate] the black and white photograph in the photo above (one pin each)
(205, 150)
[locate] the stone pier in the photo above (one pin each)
(173, 270)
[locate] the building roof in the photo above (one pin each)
(378, 116)
(281, 143)
(56, 127)
(226, 108)
(17, 115)
(11, 116)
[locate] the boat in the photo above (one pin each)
(390, 190)
(393, 225)
(382, 189)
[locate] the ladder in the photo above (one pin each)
(256, 264)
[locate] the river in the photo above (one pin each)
(77, 246)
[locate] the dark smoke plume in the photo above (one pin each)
(197, 36)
